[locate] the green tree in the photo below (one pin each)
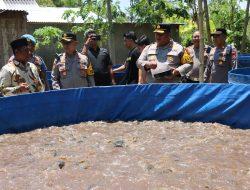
(244, 38)
(48, 35)
(94, 13)
(156, 11)
(228, 14)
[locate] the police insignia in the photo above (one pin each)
(90, 70)
(170, 58)
(186, 58)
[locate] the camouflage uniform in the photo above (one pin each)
(220, 62)
(173, 55)
(71, 72)
(14, 73)
(41, 67)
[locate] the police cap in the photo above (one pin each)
(68, 37)
(162, 28)
(219, 31)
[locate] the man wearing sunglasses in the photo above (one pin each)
(166, 59)
(222, 58)
(70, 68)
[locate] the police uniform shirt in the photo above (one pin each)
(14, 73)
(101, 62)
(70, 72)
(131, 76)
(170, 54)
(221, 61)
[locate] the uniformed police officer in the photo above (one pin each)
(166, 59)
(70, 68)
(19, 76)
(35, 59)
(222, 58)
(193, 50)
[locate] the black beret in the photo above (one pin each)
(20, 42)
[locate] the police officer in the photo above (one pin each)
(70, 68)
(19, 76)
(131, 76)
(222, 58)
(99, 59)
(35, 59)
(166, 59)
(193, 75)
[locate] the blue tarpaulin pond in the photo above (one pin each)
(223, 103)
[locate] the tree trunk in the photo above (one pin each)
(207, 23)
(244, 37)
(201, 46)
(109, 15)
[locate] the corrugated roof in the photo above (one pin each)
(36, 13)
(18, 5)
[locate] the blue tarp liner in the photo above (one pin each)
(224, 103)
(239, 76)
(243, 60)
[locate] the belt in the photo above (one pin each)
(161, 75)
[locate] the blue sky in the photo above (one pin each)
(124, 4)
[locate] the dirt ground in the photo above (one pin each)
(128, 156)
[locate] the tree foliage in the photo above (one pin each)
(228, 14)
(94, 13)
(48, 35)
(155, 11)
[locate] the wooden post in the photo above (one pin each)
(209, 39)
(109, 15)
(201, 46)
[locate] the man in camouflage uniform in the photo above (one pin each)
(222, 58)
(70, 69)
(166, 59)
(193, 75)
(19, 76)
(35, 59)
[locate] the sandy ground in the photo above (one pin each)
(127, 155)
